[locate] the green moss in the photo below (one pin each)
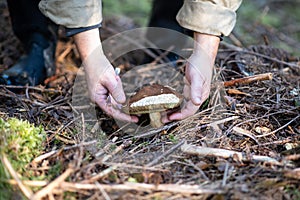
(21, 142)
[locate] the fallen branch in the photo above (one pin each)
(36, 88)
(100, 175)
(29, 183)
(247, 80)
(25, 190)
(51, 186)
(224, 153)
(174, 188)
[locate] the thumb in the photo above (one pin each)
(115, 88)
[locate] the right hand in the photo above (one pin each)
(105, 87)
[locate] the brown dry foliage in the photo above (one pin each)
(261, 107)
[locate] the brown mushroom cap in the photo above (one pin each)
(153, 98)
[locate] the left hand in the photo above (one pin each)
(198, 74)
(196, 88)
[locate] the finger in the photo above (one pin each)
(164, 117)
(188, 110)
(98, 92)
(115, 88)
(196, 89)
(112, 111)
(119, 115)
(111, 108)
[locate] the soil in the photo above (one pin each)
(103, 160)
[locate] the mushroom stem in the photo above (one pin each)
(155, 119)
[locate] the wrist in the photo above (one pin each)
(206, 43)
(87, 43)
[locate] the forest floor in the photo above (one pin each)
(244, 143)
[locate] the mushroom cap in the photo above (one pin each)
(153, 98)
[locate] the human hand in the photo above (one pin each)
(198, 74)
(196, 89)
(105, 87)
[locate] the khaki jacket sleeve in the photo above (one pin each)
(215, 17)
(73, 13)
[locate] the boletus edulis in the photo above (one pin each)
(153, 99)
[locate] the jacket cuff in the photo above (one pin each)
(73, 31)
(209, 17)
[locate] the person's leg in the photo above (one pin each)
(38, 38)
(163, 15)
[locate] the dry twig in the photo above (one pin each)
(100, 175)
(245, 132)
(247, 80)
(224, 153)
(29, 183)
(174, 188)
(51, 186)
(25, 190)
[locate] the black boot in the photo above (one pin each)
(35, 66)
(38, 36)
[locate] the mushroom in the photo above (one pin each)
(153, 99)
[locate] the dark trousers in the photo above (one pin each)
(27, 19)
(163, 14)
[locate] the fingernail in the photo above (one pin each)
(134, 119)
(197, 100)
(120, 98)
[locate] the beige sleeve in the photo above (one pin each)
(72, 13)
(214, 17)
